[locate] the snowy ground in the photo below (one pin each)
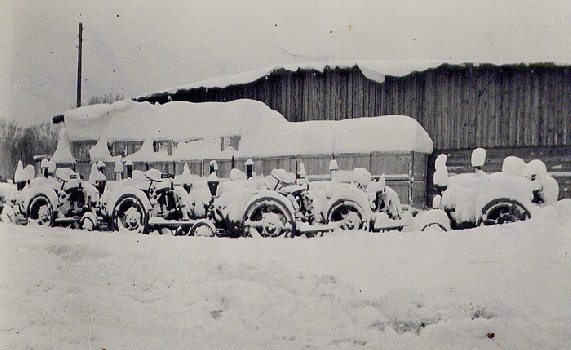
(505, 287)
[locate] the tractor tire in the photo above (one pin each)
(203, 228)
(435, 226)
(130, 215)
(346, 214)
(502, 211)
(88, 222)
(268, 217)
(40, 211)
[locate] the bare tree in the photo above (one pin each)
(108, 98)
(18, 143)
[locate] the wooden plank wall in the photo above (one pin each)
(461, 107)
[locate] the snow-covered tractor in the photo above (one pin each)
(146, 201)
(472, 199)
(59, 197)
(283, 204)
(278, 205)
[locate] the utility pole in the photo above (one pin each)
(79, 65)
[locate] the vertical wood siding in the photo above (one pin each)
(461, 107)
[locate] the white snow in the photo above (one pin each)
(20, 174)
(7, 191)
(96, 175)
(186, 177)
(375, 70)
(63, 150)
(71, 289)
(478, 157)
(513, 166)
(206, 148)
(198, 128)
(536, 172)
(100, 152)
(148, 154)
(440, 176)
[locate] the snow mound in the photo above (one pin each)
(148, 154)
(478, 157)
(536, 173)
(63, 151)
(100, 152)
(513, 166)
(20, 175)
(474, 289)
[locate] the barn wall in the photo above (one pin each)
(461, 107)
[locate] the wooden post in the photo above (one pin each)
(79, 65)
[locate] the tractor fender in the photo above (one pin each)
(111, 201)
(272, 194)
(500, 185)
(352, 193)
(39, 190)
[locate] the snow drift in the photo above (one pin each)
(497, 287)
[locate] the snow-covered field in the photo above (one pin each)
(503, 287)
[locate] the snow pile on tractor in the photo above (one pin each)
(472, 199)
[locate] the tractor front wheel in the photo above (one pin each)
(346, 214)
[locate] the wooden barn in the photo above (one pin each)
(513, 109)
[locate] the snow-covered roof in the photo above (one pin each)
(198, 128)
(390, 133)
(375, 70)
(177, 121)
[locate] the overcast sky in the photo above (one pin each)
(136, 47)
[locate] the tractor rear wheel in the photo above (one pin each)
(130, 215)
(268, 217)
(502, 211)
(40, 211)
(347, 214)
